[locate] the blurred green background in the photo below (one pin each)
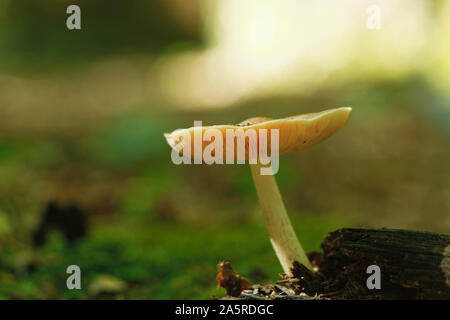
(83, 112)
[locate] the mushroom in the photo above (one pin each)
(294, 133)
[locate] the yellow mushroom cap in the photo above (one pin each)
(295, 133)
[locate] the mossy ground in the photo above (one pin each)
(152, 261)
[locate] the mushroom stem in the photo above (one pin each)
(282, 235)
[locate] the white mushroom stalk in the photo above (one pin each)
(282, 235)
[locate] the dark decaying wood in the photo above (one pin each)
(414, 265)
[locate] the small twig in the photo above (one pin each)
(251, 296)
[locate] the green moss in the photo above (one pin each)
(157, 260)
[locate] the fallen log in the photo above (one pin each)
(412, 264)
